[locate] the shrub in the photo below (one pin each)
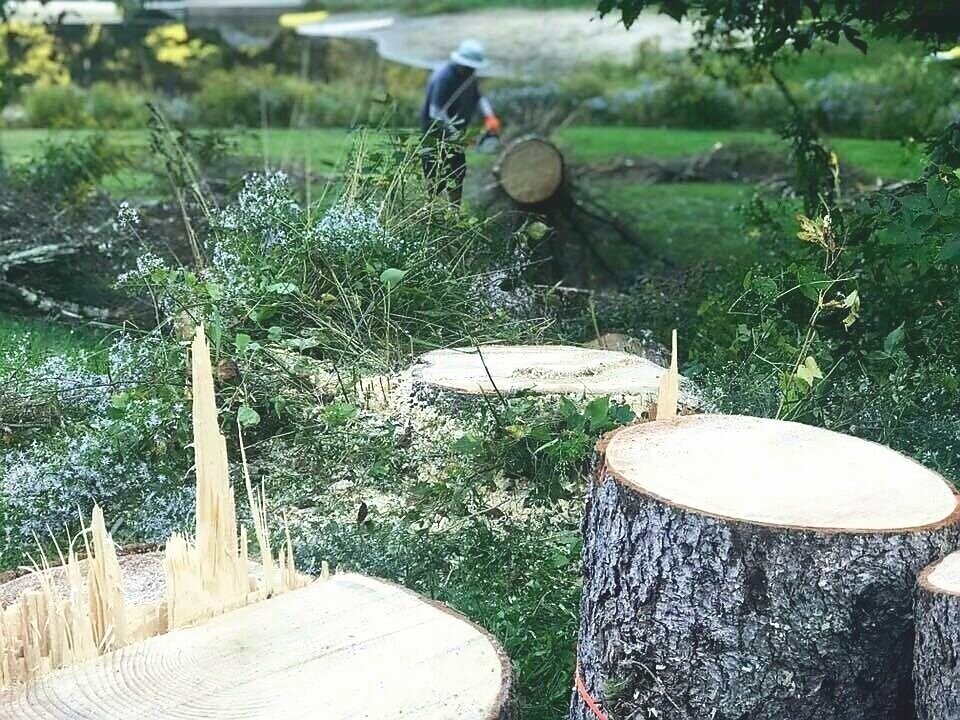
(71, 169)
(367, 282)
(255, 97)
(899, 98)
(56, 107)
(116, 106)
(854, 324)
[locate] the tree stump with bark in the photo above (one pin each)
(201, 632)
(936, 668)
(745, 569)
(465, 376)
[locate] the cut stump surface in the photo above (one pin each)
(542, 370)
(936, 668)
(754, 569)
(531, 170)
(349, 647)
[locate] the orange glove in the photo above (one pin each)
(492, 124)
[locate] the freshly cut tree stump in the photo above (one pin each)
(745, 569)
(936, 668)
(466, 374)
(531, 170)
(351, 647)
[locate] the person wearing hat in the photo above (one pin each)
(452, 100)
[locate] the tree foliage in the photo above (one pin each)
(799, 23)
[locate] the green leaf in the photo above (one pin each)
(537, 230)
(596, 411)
(247, 416)
(765, 287)
(811, 281)
(894, 340)
(568, 409)
(622, 415)
(241, 341)
(809, 371)
(467, 444)
(392, 276)
(212, 290)
(950, 252)
(274, 333)
(337, 414)
(937, 192)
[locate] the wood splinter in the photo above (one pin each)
(44, 630)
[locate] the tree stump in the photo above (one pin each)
(350, 647)
(462, 376)
(745, 569)
(936, 668)
(531, 170)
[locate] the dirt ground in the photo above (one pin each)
(520, 42)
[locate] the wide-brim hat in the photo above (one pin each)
(470, 54)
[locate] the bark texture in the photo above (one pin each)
(692, 617)
(936, 668)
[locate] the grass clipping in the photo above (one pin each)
(47, 629)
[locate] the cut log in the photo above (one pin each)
(936, 668)
(531, 170)
(351, 647)
(745, 569)
(461, 374)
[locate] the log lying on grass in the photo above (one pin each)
(462, 375)
(350, 647)
(754, 569)
(936, 668)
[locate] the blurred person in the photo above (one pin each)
(452, 100)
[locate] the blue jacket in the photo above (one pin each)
(457, 95)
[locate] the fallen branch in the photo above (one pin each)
(46, 304)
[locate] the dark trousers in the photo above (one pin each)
(445, 167)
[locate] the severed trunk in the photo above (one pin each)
(936, 668)
(461, 378)
(746, 569)
(350, 647)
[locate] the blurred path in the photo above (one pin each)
(521, 42)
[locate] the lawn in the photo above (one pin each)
(884, 158)
(321, 149)
(685, 223)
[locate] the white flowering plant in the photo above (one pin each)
(365, 281)
(109, 427)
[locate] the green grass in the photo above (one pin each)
(883, 158)
(323, 148)
(589, 144)
(45, 338)
(685, 223)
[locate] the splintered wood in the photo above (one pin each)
(669, 394)
(48, 628)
